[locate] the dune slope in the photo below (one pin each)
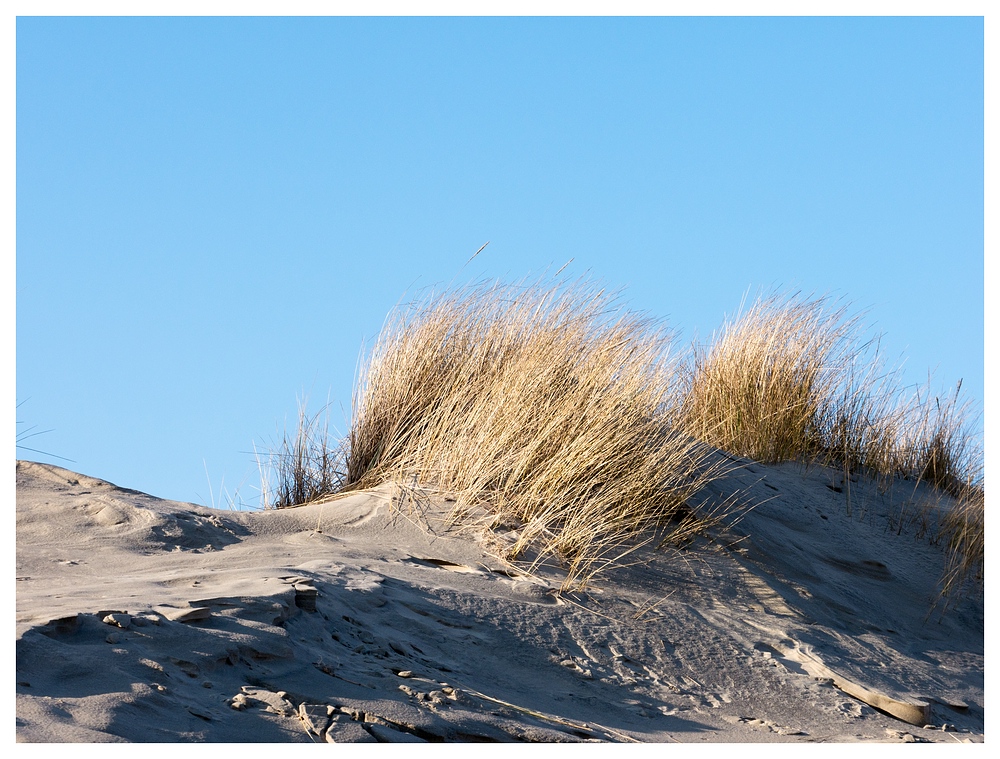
(366, 618)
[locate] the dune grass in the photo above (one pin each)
(305, 467)
(793, 379)
(964, 533)
(934, 443)
(551, 405)
(764, 386)
(567, 417)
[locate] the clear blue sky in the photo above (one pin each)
(214, 213)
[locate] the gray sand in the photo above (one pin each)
(365, 619)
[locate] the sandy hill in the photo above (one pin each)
(365, 618)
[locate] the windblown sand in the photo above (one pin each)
(366, 618)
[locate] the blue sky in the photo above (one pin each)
(213, 214)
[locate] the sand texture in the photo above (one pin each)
(367, 619)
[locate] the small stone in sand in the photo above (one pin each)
(343, 729)
(124, 621)
(385, 734)
(193, 614)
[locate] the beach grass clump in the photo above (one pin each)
(765, 386)
(792, 379)
(863, 419)
(935, 444)
(550, 404)
(305, 467)
(938, 447)
(964, 531)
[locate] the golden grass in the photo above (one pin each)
(566, 416)
(550, 405)
(938, 448)
(763, 387)
(791, 379)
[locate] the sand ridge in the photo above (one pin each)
(367, 618)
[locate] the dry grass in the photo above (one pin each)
(937, 447)
(551, 405)
(565, 416)
(964, 531)
(765, 385)
(791, 379)
(304, 468)
(935, 444)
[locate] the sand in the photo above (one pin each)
(367, 619)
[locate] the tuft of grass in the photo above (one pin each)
(791, 379)
(964, 531)
(764, 387)
(937, 447)
(863, 419)
(935, 444)
(304, 468)
(551, 405)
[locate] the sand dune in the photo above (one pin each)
(366, 618)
